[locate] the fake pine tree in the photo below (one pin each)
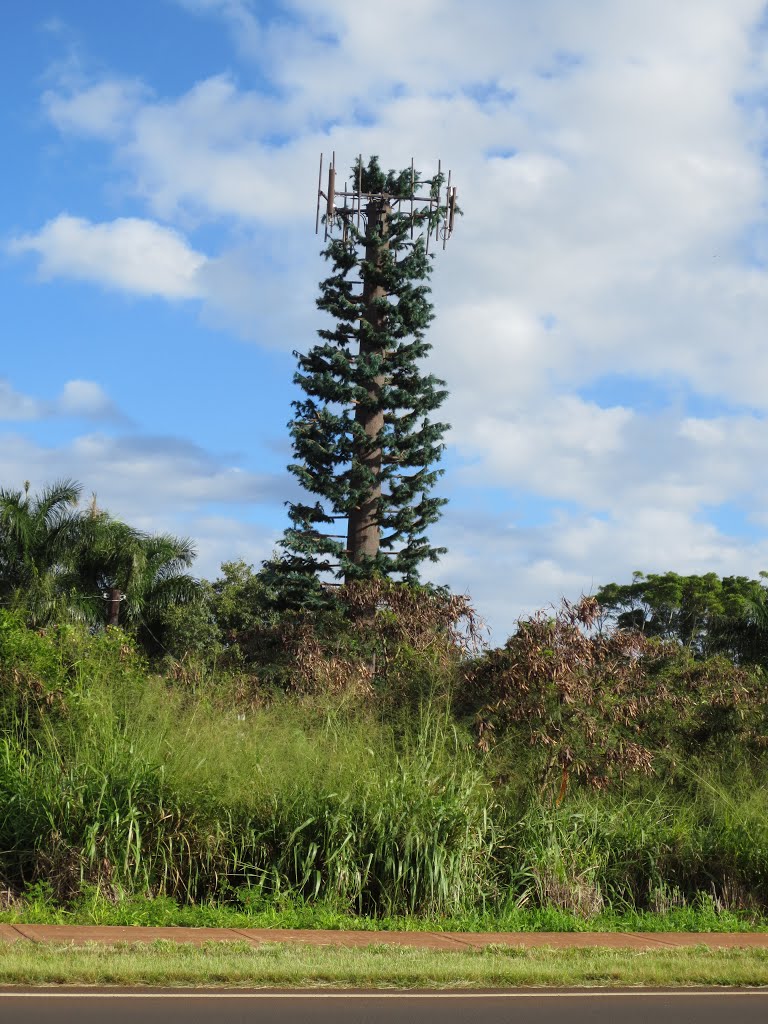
(364, 438)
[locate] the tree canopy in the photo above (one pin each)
(708, 614)
(58, 561)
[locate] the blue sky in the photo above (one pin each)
(601, 309)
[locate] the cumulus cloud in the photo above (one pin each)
(225, 539)
(100, 110)
(79, 398)
(15, 406)
(561, 449)
(608, 157)
(86, 398)
(160, 483)
(260, 293)
(512, 570)
(240, 289)
(621, 207)
(174, 471)
(128, 254)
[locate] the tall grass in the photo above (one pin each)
(116, 779)
(140, 788)
(656, 843)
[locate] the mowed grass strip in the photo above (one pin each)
(293, 966)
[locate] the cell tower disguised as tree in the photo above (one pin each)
(363, 438)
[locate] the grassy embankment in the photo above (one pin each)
(128, 798)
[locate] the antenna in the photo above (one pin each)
(439, 179)
(350, 204)
(446, 229)
(413, 189)
(359, 187)
(319, 193)
(330, 195)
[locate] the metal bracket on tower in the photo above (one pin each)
(342, 206)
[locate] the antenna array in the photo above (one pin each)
(352, 208)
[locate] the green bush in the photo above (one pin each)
(135, 786)
(117, 784)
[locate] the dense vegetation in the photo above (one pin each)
(371, 757)
(59, 562)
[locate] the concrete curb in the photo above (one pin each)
(78, 935)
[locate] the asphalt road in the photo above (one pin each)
(597, 1007)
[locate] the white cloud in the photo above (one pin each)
(246, 31)
(101, 110)
(178, 475)
(225, 539)
(159, 484)
(511, 570)
(129, 254)
(704, 431)
(79, 398)
(622, 212)
(565, 449)
(623, 233)
(15, 406)
(204, 151)
(246, 293)
(85, 398)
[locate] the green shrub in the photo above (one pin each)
(119, 784)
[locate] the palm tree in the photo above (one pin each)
(37, 538)
(123, 576)
(58, 563)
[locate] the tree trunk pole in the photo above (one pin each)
(113, 606)
(363, 533)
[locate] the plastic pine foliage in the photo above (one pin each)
(366, 369)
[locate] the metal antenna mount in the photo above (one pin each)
(341, 206)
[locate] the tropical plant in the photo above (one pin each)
(38, 536)
(61, 563)
(114, 562)
(708, 614)
(577, 696)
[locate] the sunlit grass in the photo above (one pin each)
(91, 908)
(129, 799)
(284, 965)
